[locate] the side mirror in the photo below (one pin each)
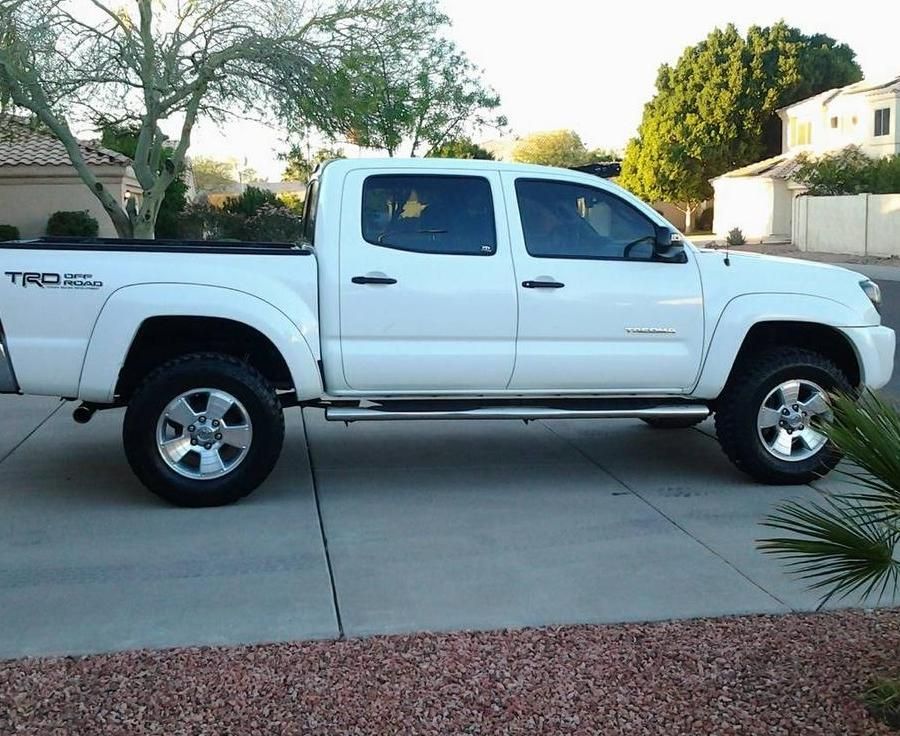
(669, 245)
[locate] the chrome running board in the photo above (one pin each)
(386, 413)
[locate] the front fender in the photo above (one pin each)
(743, 312)
(127, 308)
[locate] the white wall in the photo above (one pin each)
(861, 224)
(29, 195)
(745, 202)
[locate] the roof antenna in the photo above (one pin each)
(727, 259)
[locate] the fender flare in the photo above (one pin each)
(743, 312)
(129, 307)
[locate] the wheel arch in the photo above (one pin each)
(750, 324)
(140, 327)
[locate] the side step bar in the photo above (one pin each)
(368, 414)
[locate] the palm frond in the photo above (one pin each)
(867, 431)
(840, 546)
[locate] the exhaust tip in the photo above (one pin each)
(83, 414)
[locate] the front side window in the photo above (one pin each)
(883, 121)
(453, 215)
(568, 220)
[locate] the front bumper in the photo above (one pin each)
(875, 350)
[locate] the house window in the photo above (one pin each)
(834, 121)
(883, 121)
(800, 132)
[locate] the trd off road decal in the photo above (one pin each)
(53, 280)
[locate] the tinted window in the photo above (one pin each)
(430, 214)
(565, 220)
(309, 210)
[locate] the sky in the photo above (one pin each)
(590, 65)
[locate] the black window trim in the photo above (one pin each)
(654, 259)
(429, 252)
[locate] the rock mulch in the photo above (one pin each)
(791, 675)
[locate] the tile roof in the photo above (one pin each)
(777, 167)
(22, 145)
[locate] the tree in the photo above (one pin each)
(124, 140)
(461, 148)
(603, 154)
(426, 94)
(211, 174)
(301, 165)
(715, 110)
(69, 61)
(551, 148)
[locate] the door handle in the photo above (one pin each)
(373, 280)
(543, 284)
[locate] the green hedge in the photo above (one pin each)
(78, 223)
(9, 232)
(849, 171)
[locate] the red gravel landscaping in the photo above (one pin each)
(791, 675)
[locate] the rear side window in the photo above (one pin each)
(309, 211)
(453, 215)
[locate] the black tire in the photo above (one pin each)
(673, 422)
(739, 404)
(214, 371)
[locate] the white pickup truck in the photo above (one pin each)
(437, 289)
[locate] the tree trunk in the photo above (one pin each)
(144, 230)
(689, 218)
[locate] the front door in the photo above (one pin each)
(427, 290)
(597, 310)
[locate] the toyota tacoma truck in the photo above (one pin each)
(437, 289)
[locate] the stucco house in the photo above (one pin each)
(759, 198)
(37, 179)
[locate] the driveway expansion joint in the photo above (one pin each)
(321, 522)
(40, 424)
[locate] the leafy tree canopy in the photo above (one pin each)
(425, 92)
(211, 174)
(461, 148)
(715, 110)
(551, 148)
(301, 163)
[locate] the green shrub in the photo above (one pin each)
(274, 224)
(849, 171)
(735, 237)
(78, 223)
(9, 232)
(202, 221)
(250, 201)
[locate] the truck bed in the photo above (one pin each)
(157, 246)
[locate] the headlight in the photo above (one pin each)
(873, 291)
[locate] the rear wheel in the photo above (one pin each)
(203, 430)
(767, 416)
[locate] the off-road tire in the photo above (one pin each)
(672, 422)
(738, 406)
(181, 374)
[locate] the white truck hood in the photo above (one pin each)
(755, 273)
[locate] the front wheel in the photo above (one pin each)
(767, 416)
(203, 430)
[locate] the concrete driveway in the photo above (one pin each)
(378, 528)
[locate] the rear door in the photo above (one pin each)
(598, 311)
(427, 288)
